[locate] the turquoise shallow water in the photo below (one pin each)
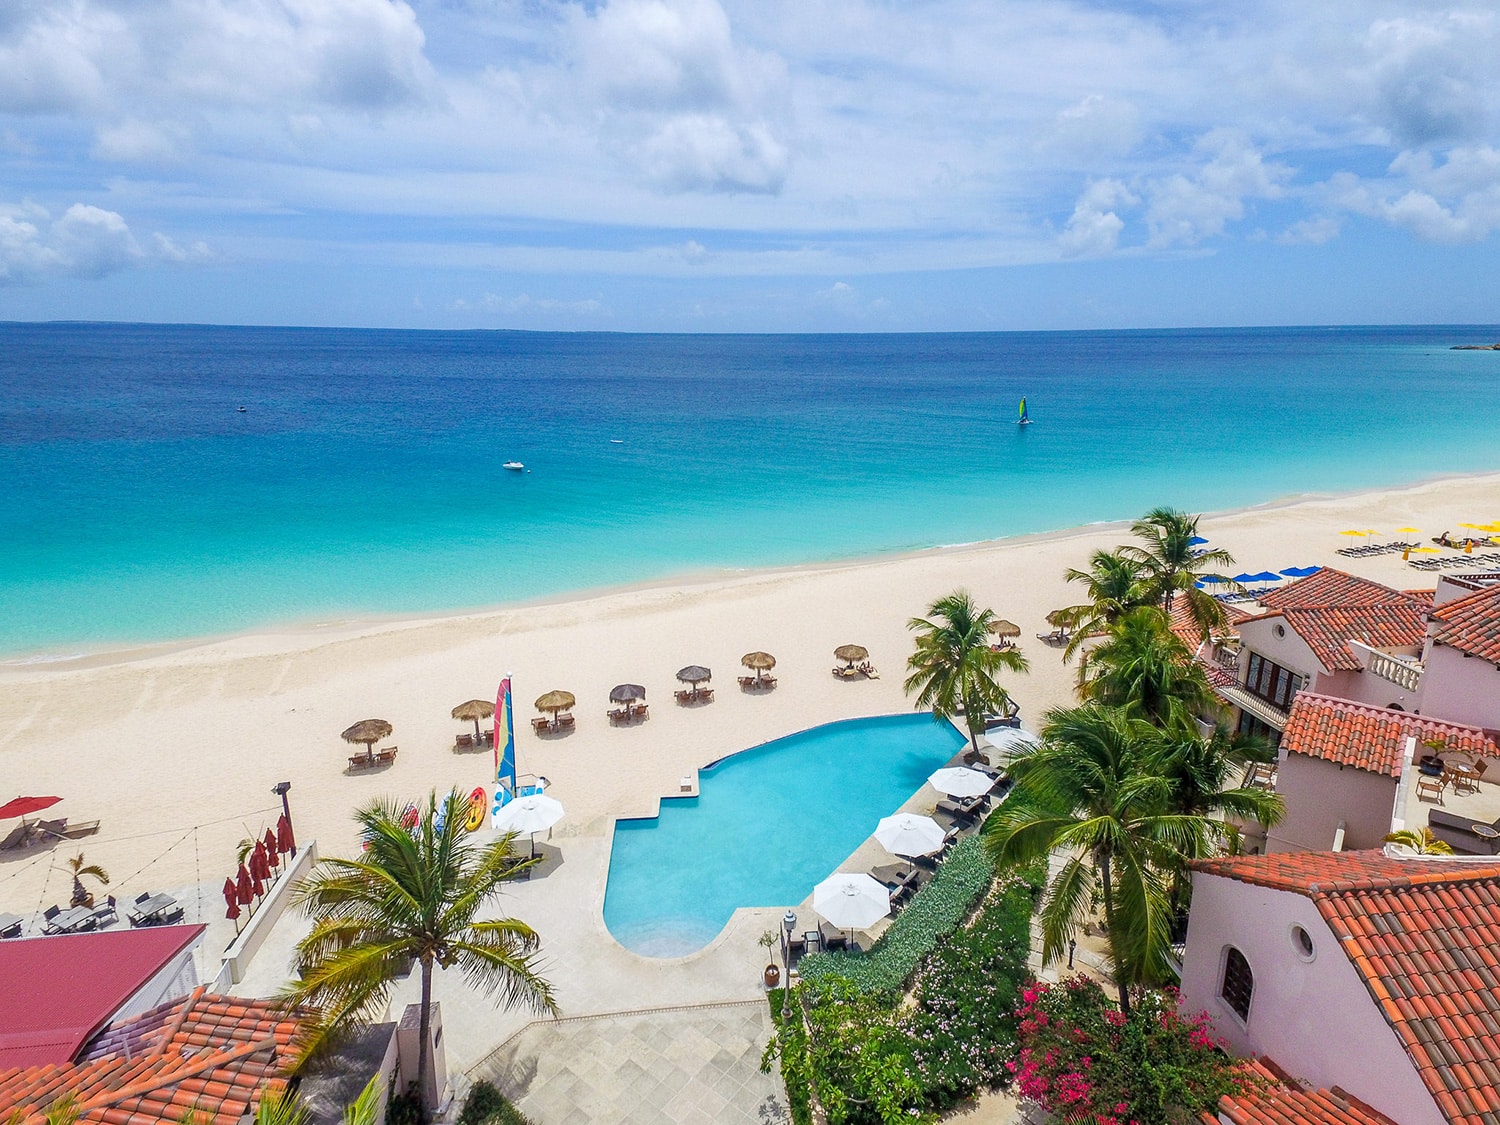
(364, 474)
(767, 826)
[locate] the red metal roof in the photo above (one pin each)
(1424, 936)
(1369, 738)
(61, 990)
(1471, 624)
(1331, 587)
(215, 1055)
(1276, 1100)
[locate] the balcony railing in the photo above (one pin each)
(1245, 700)
(1402, 671)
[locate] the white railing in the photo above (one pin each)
(1402, 671)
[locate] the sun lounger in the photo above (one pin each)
(796, 945)
(385, 757)
(80, 829)
(566, 722)
(540, 723)
(955, 810)
(463, 742)
(360, 761)
(832, 938)
(53, 828)
(706, 694)
(16, 837)
(747, 681)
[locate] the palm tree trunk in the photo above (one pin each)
(425, 1030)
(1109, 925)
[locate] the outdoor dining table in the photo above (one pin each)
(10, 925)
(74, 920)
(151, 911)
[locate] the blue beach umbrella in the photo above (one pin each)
(1197, 541)
(1267, 576)
(1300, 571)
(1245, 576)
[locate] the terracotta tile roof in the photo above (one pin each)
(1182, 624)
(214, 1054)
(1471, 624)
(1334, 588)
(1369, 738)
(1328, 629)
(1276, 1100)
(1424, 936)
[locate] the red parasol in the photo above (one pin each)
(232, 897)
(270, 845)
(21, 806)
(256, 885)
(285, 841)
(259, 868)
(244, 890)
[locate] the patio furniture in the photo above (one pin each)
(832, 937)
(541, 723)
(79, 829)
(565, 722)
(812, 941)
(155, 910)
(74, 920)
(106, 915)
(1464, 777)
(1430, 787)
(463, 742)
(10, 925)
(796, 945)
(385, 757)
(1460, 832)
(956, 810)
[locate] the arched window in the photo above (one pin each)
(1239, 983)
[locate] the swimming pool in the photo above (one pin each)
(767, 825)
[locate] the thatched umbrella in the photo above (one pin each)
(556, 701)
(369, 732)
(1059, 618)
(760, 661)
(1003, 628)
(850, 653)
(473, 711)
(627, 693)
(694, 674)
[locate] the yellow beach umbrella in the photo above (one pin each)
(1475, 526)
(1408, 531)
(1351, 533)
(1426, 550)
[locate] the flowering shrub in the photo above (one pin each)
(1087, 1062)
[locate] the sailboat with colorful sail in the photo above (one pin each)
(1024, 419)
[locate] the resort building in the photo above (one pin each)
(1372, 979)
(1342, 765)
(1461, 660)
(1331, 633)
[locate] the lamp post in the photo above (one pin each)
(788, 924)
(280, 789)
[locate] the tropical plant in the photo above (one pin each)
(1171, 565)
(1113, 586)
(81, 870)
(280, 1107)
(1143, 667)
(1420, 840)
(954, 668)
(1092, 789)
(414, 895)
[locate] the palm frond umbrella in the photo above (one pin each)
(1003, 628)
(368, 732)
(759, 661)
(473, 711)
(627, 693)
(556, 701)
(694, 674)
(850, 653)
(1059, 618)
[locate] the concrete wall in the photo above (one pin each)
(1290, 650)
(1366, 687)
(1297, 1005)
(1459, 688)
(1320, 795)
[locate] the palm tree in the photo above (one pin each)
(1145, 668)
(1171, 565)
(1420, 840)
(954, 668)
(414, 895)
(1090, 788)
(1113, 585)
(82, 896)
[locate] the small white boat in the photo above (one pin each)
(514, 466)
(616, 441)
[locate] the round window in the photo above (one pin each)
(1281, 630)
(1302, 942)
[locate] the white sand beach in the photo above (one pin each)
(155, 742)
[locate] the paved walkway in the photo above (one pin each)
(683, 1066)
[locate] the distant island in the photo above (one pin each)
(1475, 348)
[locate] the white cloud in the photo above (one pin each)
(83, 242)
(1312, 231)
(1185, 209)
(523, 303)
(1094, 227)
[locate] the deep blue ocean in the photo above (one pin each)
(364, 474)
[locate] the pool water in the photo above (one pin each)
(768, 824)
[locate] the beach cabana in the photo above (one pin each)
(556, 701)
(475, 710)
(368, 732)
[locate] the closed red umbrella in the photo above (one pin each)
(256, 886)
(244, 888)
(270, 842)
(232, 898)
(285, 841)
(259, 868)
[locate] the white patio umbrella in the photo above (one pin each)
(531, 814)
(960, 781)
(852, 901)
(908, 834)
(1009, 740)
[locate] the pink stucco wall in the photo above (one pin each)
(1319, 794)
(1460, 689)
(1315, 1019)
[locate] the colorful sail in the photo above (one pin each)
(1023, 419)
(505, 736)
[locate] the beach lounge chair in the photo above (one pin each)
(385, 757)
(796, 945)
(540, 723)
(16, 837)
(566, 722)
(463, 742)
(832, 938)
(747, 681)
(80, 829)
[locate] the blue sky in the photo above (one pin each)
(717, 165)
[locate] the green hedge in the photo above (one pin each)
(933, 913)
(790, 1044)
